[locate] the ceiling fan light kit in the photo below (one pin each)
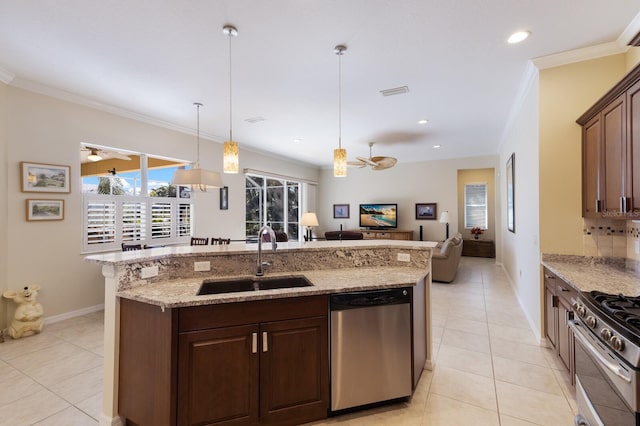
(94, 156)
(230, 152)
(197, 177)
(339, 154)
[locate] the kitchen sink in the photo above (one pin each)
(251, 284)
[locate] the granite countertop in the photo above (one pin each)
(182, 293)
(585, 273)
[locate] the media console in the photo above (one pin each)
(385, 234)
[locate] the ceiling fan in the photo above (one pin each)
(376, 163)
(96, 154)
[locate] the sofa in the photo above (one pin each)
(445, 260)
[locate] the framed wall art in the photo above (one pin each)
(341, 211)
(426, 211)
(511, 204)
(38, 210)
(38, 177)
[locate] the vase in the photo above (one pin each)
(476, 236)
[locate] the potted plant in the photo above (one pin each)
(477, 231)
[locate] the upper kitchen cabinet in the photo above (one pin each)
(611, 152)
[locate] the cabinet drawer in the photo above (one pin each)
(384, 235)
(369, 235)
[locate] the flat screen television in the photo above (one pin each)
(378, 216)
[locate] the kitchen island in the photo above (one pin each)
(166, 279)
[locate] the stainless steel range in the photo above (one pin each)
(607, 356)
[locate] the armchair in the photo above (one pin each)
(444, 264)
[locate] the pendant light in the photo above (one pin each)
(230, 155)
(197, 177)
(339, 154)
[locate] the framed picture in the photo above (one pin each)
(426, 211)
(224, 198)
(45, 210)
(511, 204)
(341, 211)
(36, 177)
(184, 191)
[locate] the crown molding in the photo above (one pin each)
(631, 32)
(579, 55)
(6, 76)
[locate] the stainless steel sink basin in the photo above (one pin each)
(251, 284)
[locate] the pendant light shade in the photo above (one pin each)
(197, 177)
(230, 153)
(340, 154)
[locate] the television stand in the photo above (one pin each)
(385, 234)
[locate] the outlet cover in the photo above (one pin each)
(404, 257)
(202, 266)
(148, 272)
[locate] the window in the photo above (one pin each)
(134, 206)
(475, 206)
(275, 199)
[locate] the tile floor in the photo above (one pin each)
(489, 367)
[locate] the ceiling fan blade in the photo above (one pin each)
(356, 163)
(114, 154)
(367, 160)
(384, 163)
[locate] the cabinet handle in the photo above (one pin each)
(626, 204)
(549, 277)
(265, 342)
(254, 343)
(568, 316)
(621, 204)
(598, 206)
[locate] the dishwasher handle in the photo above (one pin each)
(366, 299)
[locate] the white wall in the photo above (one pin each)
(3, 205)
(48, 130)
(520, 250)
(405, 184)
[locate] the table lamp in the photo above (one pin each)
(309, 219)
(444, 218)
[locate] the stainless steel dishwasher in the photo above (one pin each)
(370, 347)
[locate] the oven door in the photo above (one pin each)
(602, 383)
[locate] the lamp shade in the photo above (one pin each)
(309, 219)
(200, 177)
(339, 162)
(230, 157)
(444, 217)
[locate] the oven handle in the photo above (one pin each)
(610, 366)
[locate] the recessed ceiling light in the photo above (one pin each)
(423, 121)
(297, 140)
(518, 36)
(436, 146)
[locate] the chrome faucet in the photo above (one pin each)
(272, 235)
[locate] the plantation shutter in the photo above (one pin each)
(100, 223)
(184, 220)
(475, 205)
(161, 220)
(134, 221)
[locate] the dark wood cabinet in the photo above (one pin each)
(611, 152)
(245, 363)
(558, 312)
(478, 248)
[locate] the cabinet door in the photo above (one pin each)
(632, 172)
(590, 171)
(565, 337)
(218, 376)
(613, 151)
(550, 314)
(294, 371)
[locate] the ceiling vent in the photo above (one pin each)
(395, 91)
(254, 120)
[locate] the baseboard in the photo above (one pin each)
(67, 315)
(110, 421)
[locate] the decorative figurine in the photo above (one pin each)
(27, 319)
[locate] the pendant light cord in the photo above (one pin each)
(198, 105)
(340, 100)
(230, 98)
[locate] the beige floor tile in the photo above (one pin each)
(463, 340)
(465, 387)
(436, 333)
(7, 372)
(443, 411)
(512, 421)
(81, 386)
(473, 314)
(517, 320)
(513, 334)
(534, 406)
(37, 343)
(468, 326)
(518, 351)
(526, 375)
(18, 387)
(92, 405)
(70, 416)
(27, 411)
(465, 360)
